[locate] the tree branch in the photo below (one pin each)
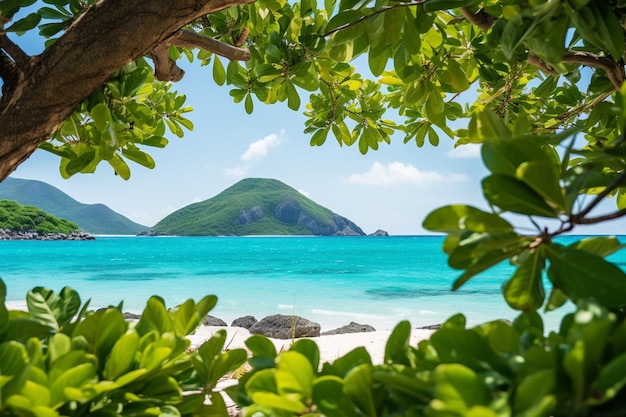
(614, 71)
(535, 61)
(106, 36)
(15, 52)
(190, 39)
(599, 219)
(374, 13)
(165, 68)
(481, 18)
(578, 218)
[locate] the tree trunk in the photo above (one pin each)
(107, 36)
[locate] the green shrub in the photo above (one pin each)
(495, 369)
(59, 359)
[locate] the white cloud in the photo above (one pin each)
(471, 150)
(259, 149)
(400, 173)
(255, 153)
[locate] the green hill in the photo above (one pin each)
(92, 218)
(255, 206)
(18, 218)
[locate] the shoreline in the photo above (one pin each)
(331, 346)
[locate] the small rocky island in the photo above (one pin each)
(19, 222)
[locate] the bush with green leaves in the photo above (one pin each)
(496, 369)
(60, 359)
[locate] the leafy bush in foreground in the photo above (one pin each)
(495, 369)
(60, 359)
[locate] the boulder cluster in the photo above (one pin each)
(280, 326)
(7, 234)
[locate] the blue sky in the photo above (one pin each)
(392, 189)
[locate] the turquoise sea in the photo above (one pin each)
(330, 280)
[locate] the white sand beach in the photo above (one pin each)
(331, 346)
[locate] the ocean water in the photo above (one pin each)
(330, 280)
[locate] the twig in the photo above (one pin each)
(611, 216)
(580, 217)
(374, 13)
(190, 39)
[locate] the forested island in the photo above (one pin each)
(19, 222)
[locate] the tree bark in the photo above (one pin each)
(110, 34)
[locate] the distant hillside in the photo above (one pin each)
(256, 206)
(15, 217)
(93, 218)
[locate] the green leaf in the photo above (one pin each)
(155, 141)
(154, 317)
(343, 18)
(261, 346)
(600, 245)
(102, 330)
(101, 115)
(358, 387)
(14, 363)
(278, 401)
(456, 218)
(121, 168)
(51, 309)
(535, 394)
(454, 77)
(25, 24)
(308, 349)
(458, 388)
(344, 364)
(293, 99)
(583, 275)
(543, 179)
(248, 104)
(140, 157)
(398, 342)
(219, 74)
(524, 291)
(610, 381)
(76, 377)
(224, 363)
(513, 195)
(122, 355)
(328, 396)
(294, 374)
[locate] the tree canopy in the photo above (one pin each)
(539, 84)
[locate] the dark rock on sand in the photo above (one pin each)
(430, 327)
(132, 316)
(246, 322)
(280, 326)
(351, 328)
(213, 321)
